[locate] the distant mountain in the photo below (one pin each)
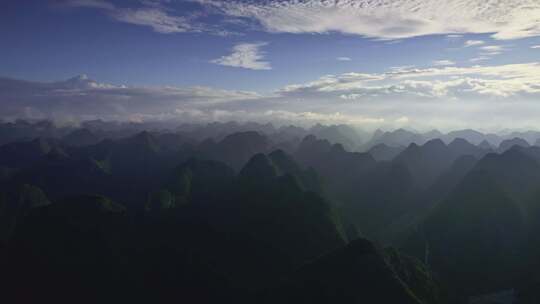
(26, 153)
(426, 162)
(485, 145)
(469, 135)
(396, 138)
(461, 146)
(509, 143)
(350, 138)
(382, 152)
(81, 137)
(236, 149)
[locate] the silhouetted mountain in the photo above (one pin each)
(236, 149)
(469, 135)
(382, 152)
(247, 213)
(339, 134)
(427, 162)
(472, 238)
(25, 154)
(509, 143)
(359, 273)
(81, 137)
(485, 145)
(397, 138)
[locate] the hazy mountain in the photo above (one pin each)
(350, 138)
(359, 273)
(485, 145)
(396, 138)
(81, 137)
(382, 152)
(255, 216)
(472, 238)
(509, 143)
(426, 162)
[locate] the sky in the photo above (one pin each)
(421, 64)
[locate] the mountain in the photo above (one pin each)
(81, 137)
(236, 149)
(461, 146)
(358, 273)
(426, 162)
(509, 143)
(469, 135)
(485, 145)
(350, 138)
(382, 152)
(26, 153)
(472, 238)
(396, 138)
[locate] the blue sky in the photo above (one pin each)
(338, 57)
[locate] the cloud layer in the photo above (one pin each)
(396, 19)
(245, 55)
(438, 97)
(509, 19)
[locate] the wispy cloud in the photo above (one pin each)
(444, 62)
(245, 55)
(444, 82)
(492, 50)
(158, 19)
(100, 4)
(153, 14)
(343, 59)
(473, 96)
(535, 47)
(508, 19)
(479, 58)
(469, 43)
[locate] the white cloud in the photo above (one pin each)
(83, 97)
(245, 55)
(492, 50)
(444, 82)
(443, 62)
(152, 14)
(441, 97)
(469, 43)
(509, 19)
(99, 4)
(343, 59)
(535, 47)
(479, 58)
(156, 18)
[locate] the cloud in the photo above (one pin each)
(440, 97)
(479, 58)
(151, 14)
(158, 19)
(517, 80)
(535, 47)
(245, 55)
(384, 19)
(343, 59)
(81, 97)
(469, 43)
(492, 50)
(99, 4)
(443, 62)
